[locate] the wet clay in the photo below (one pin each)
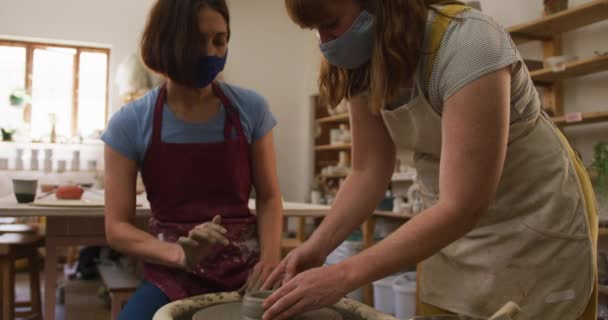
(228, 306)
(251, 309)
(233, 311)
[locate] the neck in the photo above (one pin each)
(181, 96)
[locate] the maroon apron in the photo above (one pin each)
(188, 184)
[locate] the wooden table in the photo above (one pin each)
(77, 226)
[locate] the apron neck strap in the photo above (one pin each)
(442, 21)
(232, 115)
(158, 114)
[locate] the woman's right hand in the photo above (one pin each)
(200, 240)
(302, 258)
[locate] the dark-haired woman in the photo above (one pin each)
(509, 211)
(200, 145)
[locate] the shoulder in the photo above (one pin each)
(474, 29)
(137, 114)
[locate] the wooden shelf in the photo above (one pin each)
(404, 176)
(573, 69)
(588, 118)
(396, 215)
(602, 289)
(334, 176)
(334, 119)
(567, 20)
(603, 231)
(333, 147)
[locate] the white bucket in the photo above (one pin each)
(384, 296)
(344, 251)
(405, 296)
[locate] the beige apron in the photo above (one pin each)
(533, 246)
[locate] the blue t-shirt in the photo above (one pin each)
(130, 129)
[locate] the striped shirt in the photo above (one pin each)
(475, 45)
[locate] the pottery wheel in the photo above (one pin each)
(232, 311)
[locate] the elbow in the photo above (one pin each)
(113, 237)
(467, 214)
(268, 197)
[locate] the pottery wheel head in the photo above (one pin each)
(232, 311)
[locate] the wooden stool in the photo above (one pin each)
(120, 284)
(14, 246)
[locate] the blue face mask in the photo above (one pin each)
(352, 49)
(207, 69)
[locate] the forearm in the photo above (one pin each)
(355, 202)
(270, 221)
(128, 239)
(415, 241)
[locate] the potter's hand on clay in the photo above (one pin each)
(302, 258)
(200, 240)
(311, 290)
(259, 275)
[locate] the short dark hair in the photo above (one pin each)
(170, 44)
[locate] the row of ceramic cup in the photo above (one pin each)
(47, 165)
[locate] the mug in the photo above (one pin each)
(25, 190)
(61, 165)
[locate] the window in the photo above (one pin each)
(68, 83)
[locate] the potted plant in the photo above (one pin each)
(18, 98)
(600, 174)
(7, 134)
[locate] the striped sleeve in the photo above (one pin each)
(471, 48)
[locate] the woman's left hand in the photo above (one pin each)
(259, 274)
(310, 290)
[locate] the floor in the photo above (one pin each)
(82, 301)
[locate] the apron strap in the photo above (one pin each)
(158, 115)
(232, 115)
(440, 25)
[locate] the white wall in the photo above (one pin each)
(581, 94)
(271, 55)
(117, 23)
(267, 53)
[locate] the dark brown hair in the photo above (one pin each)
(399, 34)
(170, 44)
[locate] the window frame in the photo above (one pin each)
(30, 46)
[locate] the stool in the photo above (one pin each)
(120, 284)
(14, 246)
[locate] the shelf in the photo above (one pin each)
(397, 215)
(334, 176)
(404, 176)
(603, 231)
(587, 118)
(334, 119)
(602, 289)
(333, 147)
(573, 69)
(567, 20)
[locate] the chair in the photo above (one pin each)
(15, 246)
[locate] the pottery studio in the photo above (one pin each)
(304, 160)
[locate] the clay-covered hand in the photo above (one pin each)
(201, 240)
(302, 258)
(259, 275)
(311, 290)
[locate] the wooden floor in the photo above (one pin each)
(82, 301)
